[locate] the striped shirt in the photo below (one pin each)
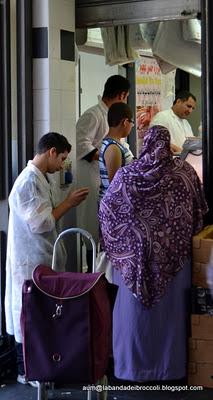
(126, 159)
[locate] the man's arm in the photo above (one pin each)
(86, 131)
(72, 200)
(34, 207)
(113, 160)
(93, 155)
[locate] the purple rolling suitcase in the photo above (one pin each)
(66, 324)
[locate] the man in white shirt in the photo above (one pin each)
(175, 121)
(35, 211)
(91, 128)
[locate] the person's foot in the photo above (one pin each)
(24, 381)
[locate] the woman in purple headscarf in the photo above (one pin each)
(148, 216)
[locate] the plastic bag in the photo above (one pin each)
(192, 30)
(170, 46)
(103, 264)
(117, 48)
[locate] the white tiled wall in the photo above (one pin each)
(54, 43)
(55, 105)
(40, 127)
(40, 73)
(41, 107)
(54, 84)
(40, 13)
(67, 75)
(67, 104)
(60, 14)
(53, 78)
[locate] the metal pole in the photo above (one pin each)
(207, 102)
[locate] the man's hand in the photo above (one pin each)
(175, 149)
(72, 200)
(96, 156)
(76, 197)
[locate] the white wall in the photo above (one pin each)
(54, 91)
(53, 77)
(94, 73)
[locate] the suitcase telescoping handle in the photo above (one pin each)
(83, 233)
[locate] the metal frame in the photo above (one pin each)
(116, 12)
(207, 102)
(3, 245)
(24, 82)
(5, 103)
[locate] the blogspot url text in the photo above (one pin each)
(169, 388)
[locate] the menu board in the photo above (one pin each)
(154, 92)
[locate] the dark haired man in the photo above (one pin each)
(174, 119)
(91, 128)
(32, 231)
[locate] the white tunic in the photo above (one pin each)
(32, 232)
(178, 128)
(91, 128)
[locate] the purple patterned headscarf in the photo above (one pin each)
(148, 216)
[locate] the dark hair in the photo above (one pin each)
(183, 96)
(115, 85)
(117, 112)
(53, 139)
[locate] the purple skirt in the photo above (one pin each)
(150, 345)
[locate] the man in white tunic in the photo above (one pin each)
(32, 231)
(91, 128)
(175, 120)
